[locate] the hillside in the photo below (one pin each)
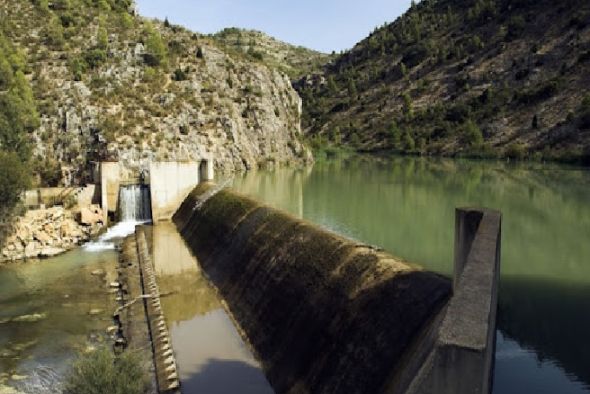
(111, 85)
(295, 61)
(462, 77)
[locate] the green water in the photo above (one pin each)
(406, 205)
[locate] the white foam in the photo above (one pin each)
(107, 240)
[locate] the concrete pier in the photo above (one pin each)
(462, 357)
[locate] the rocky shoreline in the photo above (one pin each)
(52, 231)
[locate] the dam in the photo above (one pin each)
(320, 312)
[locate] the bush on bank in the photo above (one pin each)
(101, 372)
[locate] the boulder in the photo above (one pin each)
(50, 252)
(32, 250)
(91, 215)
(42, 237)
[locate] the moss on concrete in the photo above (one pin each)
(323, 313)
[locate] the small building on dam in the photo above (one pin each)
(322, 313)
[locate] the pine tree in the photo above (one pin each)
(156, 52)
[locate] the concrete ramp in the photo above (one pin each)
(323, 314)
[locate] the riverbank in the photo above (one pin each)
(49, 232)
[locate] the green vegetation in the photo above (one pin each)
(462, 78)
(18, 117)
(156, 51)
(101, 372)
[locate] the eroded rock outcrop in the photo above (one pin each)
(49, 232)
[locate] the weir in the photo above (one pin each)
(329, 315)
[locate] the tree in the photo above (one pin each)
(54, 34)
(332, 85)
(395, 134)
(535, 122)
(156, 52)
(408, 106)
(352, 92)
(14, 178)
(409, 143)
(102, 37)
(18, 117)
(473, 134)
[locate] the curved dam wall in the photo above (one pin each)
(323, 313)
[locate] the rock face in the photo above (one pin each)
(110, 103)
(48, 232)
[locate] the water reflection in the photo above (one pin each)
(211, 356)
(406, 205)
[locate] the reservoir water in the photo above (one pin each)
(406, 206)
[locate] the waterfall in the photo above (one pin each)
(134, 203)
(134, 208)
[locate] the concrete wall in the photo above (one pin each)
(50, 196)
(324, 314)
(110, 178)
(462, 356)
(170, 183)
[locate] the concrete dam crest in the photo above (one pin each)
(325, 314)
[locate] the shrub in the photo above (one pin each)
(256, 55)
(415, 55)
(472, 133)
(103, 372)
(409, 143)
(179, 75)
(48, 170)
(515, 151)
(408, 106)
(54, 34)
(103, 38)
(355, 140)
(94, 58)
(538, 94)
(516, 26)
(458, 113)
(78, 68)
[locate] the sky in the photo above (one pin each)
(324, 25)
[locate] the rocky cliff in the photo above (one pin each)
(295, 61)
(113, 86)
